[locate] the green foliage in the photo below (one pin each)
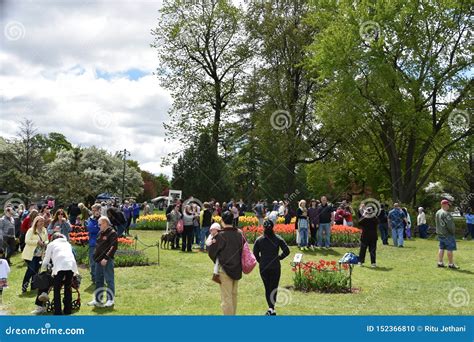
(125, 257)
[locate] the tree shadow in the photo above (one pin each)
(90, 288)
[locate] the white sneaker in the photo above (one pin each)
(43, 297)
(39, 310)
(374, 265)
(359, 264)
(109, 303)
(94, 303)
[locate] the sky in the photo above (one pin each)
(85, 69)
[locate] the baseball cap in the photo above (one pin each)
(445, 201)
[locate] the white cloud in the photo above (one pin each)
(50, 75)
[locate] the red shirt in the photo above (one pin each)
(25, 225)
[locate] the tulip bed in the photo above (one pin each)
(341, 236)
(323, 276)
(158, 221)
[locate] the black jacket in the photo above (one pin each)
(369, 228)
(228, 249)
(324, 213)
(266, 250)
(106, 245)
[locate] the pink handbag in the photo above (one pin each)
(248, 259)
(180, 226)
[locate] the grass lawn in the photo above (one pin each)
(406, 282)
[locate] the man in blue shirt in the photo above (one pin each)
(92, 225)
(396, 218)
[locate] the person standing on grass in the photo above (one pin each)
(259, 212)
(397, 221)
(302, 222)
(59, 253)
(228, 250)
(205, 221)
(313, 223)
(368, 239)
(7, 233)
(107, 243)
(325, 214)
(36, 240)
(469, 216)
(383, 224)
(188, 221)
(127, 211)
(92, 225)
(266, 250)
(135, 213)
(421, 222)
(445, 229)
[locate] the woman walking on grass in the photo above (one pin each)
(267, 252)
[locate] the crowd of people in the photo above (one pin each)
(41, 234)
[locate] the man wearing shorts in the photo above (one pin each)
(445, 229)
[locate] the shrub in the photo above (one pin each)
(124, 257)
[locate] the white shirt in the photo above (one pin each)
(4, 269)
(59, 251)
(421, 219)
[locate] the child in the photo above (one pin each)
(214, 230)
(4, 271)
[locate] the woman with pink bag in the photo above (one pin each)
(266, 249)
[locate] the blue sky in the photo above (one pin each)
(85, 69)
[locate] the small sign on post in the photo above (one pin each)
(298, 257)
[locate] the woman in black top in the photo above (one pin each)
(266, 249)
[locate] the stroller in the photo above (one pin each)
(76, 295)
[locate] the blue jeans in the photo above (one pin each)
(327, 229)
(303, 237)
(105, 275)
(204, 235)
(92, 263)
(32, 268)
(383, 227)
(397, 236)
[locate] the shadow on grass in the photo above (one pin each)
(381, 269)
(320, 251)
(90, 288)
(103, 311)
(461, 271)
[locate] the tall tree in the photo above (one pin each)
(201, 49)
(400, 72)
(293, 135)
